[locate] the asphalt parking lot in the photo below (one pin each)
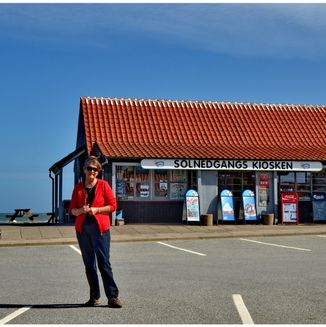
(265, 280)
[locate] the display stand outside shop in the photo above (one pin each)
(290, 207)
(227, 206)
(249, 206)
(192, 206)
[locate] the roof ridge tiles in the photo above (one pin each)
(204, 102)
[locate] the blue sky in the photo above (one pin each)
(51, 54)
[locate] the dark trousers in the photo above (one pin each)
(96, 247)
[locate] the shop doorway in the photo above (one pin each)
(301, 183)
(236, 182)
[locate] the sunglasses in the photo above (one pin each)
(89, 168)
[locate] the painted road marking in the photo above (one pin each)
(242, 310)
(277, 245)
(181, 249)
(75, 249)
(321, 235)
(14, 315)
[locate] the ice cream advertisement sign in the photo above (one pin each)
(227, 205)
(192, 206)
(249, 206)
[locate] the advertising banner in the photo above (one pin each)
(192, 206)
(249, 206)
(227, 205)
(319, 206)
(290, 207)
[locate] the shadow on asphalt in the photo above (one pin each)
(44, 306)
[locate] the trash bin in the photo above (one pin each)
(268, 219)
(207, 220)
(119, 220)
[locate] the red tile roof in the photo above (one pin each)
(134, 128)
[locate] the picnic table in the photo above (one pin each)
(52, 218)
(21, 212)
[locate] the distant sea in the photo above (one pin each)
(42, 218)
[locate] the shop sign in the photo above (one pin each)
(208, 164)
(249, 206)
(192, 206)
(227, 205)
(290, 207)
(319, 206)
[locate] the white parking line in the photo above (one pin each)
(181, 249)
(242, 310)
(321, 235)
(277, 245)
(75, 249)
(14, 315)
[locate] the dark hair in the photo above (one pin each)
(93, 161)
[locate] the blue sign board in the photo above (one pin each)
(319, 206)
(249, 206)
(227, 205)
(192, 206)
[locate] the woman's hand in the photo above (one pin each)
(81, 210)
(92, 211)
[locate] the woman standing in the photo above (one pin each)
(91, 203)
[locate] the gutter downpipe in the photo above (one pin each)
(50, 175)
(60, 205)
(56, 208)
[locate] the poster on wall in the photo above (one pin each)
(249, 206)
(227, 205)
(120, 189)
(192, 206)
(142, 183)
(319, 206)
(178, 190)
(290, 212)
(263, 189)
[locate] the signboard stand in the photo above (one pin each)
(249, 206)
(192, 206)
(227, 206)
(319, 207)
(290, 208)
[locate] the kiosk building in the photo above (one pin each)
(153, 151)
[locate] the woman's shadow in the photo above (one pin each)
(43, 306)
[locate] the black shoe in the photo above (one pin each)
(92, 303)
(114, 302)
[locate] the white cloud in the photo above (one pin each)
(286, 30)
(259, 30)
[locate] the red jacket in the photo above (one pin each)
(103, 197)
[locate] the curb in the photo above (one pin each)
(162, 237)
(55, 241)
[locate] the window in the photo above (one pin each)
(178, 184)
(303, 185)
(125, 182)
(134, 183)
(160, 183)
(236, 182)
(299, 182)
(142, 183)
(319, 182)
